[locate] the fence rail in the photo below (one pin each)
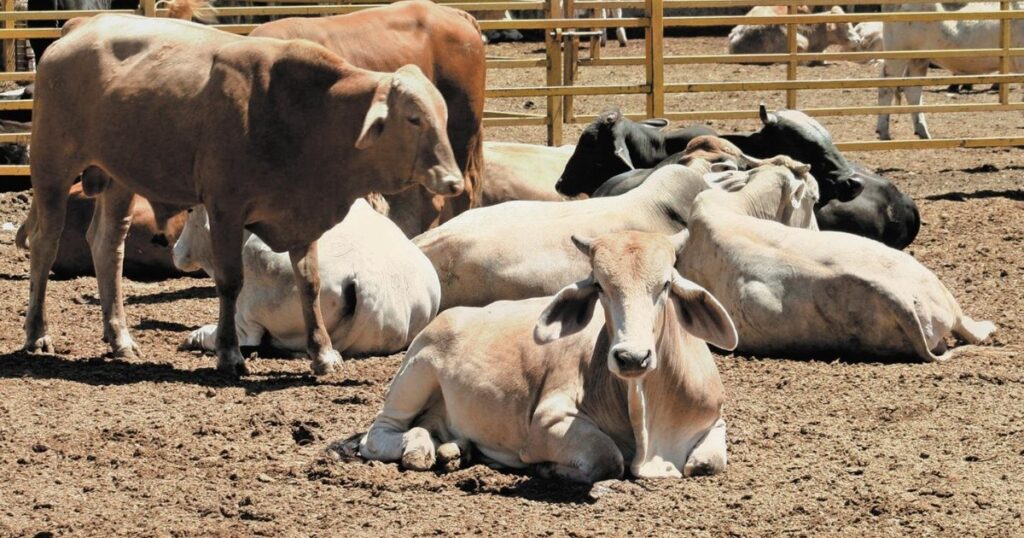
(562, 60)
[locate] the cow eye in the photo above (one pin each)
(415, 120)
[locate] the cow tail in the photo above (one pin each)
(21, 237)
(474, 169)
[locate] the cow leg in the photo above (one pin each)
(454, 455)
(106, 235)
(226, 237)
(390, 437)
(709, 456)
(620, 32)
(890, 68)
(914, 94)
(49, 204)
(306, 265)
(567, 445)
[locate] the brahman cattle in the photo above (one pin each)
(445, 43)
(961, 34)
(377, 289)
(147, 246)
(772, 38)
(277, 137)
(796, 292)
(514, 171)
(570, 386)
(853, 199)
(522, 249)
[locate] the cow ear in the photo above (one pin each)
(797, 188)
(657, 123)
(848, 189)
(702, 315)
(377, 115)
(767, 118)
(569, 312)
(679, 239)
(584, 244)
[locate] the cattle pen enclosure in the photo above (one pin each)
(663, 75)
(162, 445)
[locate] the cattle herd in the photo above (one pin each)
(557, 303)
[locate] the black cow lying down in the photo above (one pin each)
(614, 154)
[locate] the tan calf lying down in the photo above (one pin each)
(574, 387)
(795, 291)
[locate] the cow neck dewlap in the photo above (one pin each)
(646, 415)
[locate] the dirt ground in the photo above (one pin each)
(164, 446)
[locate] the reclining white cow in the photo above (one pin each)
(796, 291)
(568, 385)
(517, 250)
(377, 289)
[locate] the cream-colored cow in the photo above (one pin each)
(796, 291)
(573, 386)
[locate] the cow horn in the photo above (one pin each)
(583, 243)
(767, 118)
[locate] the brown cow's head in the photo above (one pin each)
(635, 278)
(407, 120)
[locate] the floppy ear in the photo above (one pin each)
(584, 244)
(702, 315)
(377, 115)
(657, 123)
(848, 189)
(569, 312)
(797, 189)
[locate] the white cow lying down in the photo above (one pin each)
(377, 289)
(574, 386)
(798, 292)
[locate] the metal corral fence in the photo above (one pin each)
(562, 32)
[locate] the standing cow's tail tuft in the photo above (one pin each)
(21, 236)
(186, 10)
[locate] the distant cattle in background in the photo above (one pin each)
(772, 38)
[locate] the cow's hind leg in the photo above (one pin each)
(306, 266)
(917, 68)
(890, 68)
(390, 438)
(50, 184)
(106, 235)
(226, 237)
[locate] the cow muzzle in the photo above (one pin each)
(632, 363)
(445, 183)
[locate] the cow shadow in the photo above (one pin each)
(160, 297)
(1011, 194)
(111, 371)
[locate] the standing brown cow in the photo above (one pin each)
(279, 137)
(445, 43)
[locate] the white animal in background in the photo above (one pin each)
(964, 34)
(377, 289)
(797, 292)
(612, 371)
(772, 38)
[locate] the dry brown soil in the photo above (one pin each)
(165, 446)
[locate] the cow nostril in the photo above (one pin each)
(646, 361)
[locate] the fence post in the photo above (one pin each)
(1004, 60)
(10, 63)
(148, 7)
(654, 36)
(552, 38)
(791, 33)
(570, 61)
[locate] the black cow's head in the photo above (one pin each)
(793, 133)
(604, 150)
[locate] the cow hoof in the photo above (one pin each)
(327, 362)
(449, 457)
(130, 352)
(418, 459)
(232, 363)
(38, 346)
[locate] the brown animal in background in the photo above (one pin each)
(147, 247)
(277, 137)
(446, 44)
